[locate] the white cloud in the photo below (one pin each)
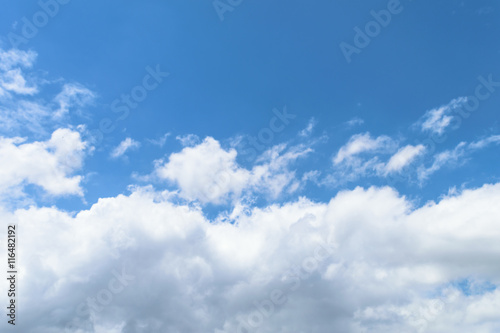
(456, 156)
(208, 173)
(309, 128)
(364, 156)
(123, 147)
(360, 156)
(368, 259)
(272, 174)
(24, 115)
(188, 140)
(483, 143)
(22, 107)
(361, 143)
(159, 142)
(403, 158)
(447, 157)
(48, 164)
(14, 57)
(205, 172)
(12, 78)
(354, 122)
(72, 95)
(437, 120)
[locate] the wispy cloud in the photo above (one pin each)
(361, 143)
(72, 95)
(455, 156)
(447, 157)
(438, 119)
(160, 141)
(23, 106)
(484, 142)
(361, 156)
(188, 140)
(309, 128)
(354, 122)
(24, 115)
(124, 146)
(14, 57)
(404, 157)
(12, 78)
(14, 81)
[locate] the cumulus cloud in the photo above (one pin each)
(209, 173)
(205, 171)
(124, 146)
(366, 261)
(47, 164)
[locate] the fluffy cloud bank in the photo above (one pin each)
(367, 261)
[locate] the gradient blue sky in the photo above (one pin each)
(399, 112)
(227, 76)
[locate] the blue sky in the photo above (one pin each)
(239, 106)
(227, 76)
